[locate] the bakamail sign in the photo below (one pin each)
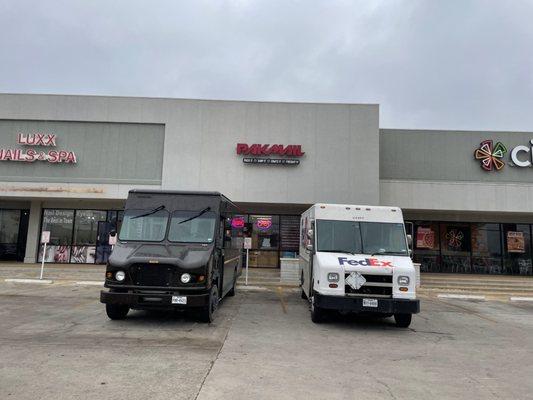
(264, 151)
(41, 140)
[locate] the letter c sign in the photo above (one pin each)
(514, 156)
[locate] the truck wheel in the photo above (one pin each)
(317, 313)
(302, 295)
(116, 311)
(207, 314)
(402, 320)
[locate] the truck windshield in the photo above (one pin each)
(339, 236)
(144, 225)
(192, 226)
(361, 237)
(383, 238)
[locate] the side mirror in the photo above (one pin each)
(310, 234)
(309, 247)
(410, 241)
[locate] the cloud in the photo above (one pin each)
(454, 64)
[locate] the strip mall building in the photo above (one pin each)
(68, 162)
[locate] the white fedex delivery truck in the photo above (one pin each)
(357, 259)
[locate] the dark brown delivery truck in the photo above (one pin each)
(175, 249)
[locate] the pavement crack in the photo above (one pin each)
(389, 390)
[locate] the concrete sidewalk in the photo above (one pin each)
(485, 287)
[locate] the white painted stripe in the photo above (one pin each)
(231, 259)
(461, 296)
(90, 283)
(42, 281)
(521, 298)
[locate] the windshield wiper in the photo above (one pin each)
(389, 252)
(196, 216)
(149, 212)
(337, 251)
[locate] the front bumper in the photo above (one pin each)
(355, 304)
(153, 300)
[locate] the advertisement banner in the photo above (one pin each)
(425, 238)
(515, 242)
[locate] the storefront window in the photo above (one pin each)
(517, 249)
(455, 247)
(86, 224)
(59, 223)
(486, 249)
(426, 245)
(265, 232)
(9, 226)
(290, 235)
(77, 236)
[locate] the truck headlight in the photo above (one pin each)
(403, 280)
(333, 277)
(185, 278)
(120, 276)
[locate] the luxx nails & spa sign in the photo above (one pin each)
(38, 147)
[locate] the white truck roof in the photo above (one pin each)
(353, 212)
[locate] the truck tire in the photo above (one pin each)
(402, 320)
(207, 314)
(317, 313)
(302, 295)
(116, 311)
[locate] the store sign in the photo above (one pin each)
(263, 224)
(237, 222)
(491, 155)
(40, 140)
(264, 151)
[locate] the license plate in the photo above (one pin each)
(179, 299)
(370, 303)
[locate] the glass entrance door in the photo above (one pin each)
(265, 241)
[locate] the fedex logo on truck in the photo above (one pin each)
(367, 262)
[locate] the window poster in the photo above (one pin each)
(425, 238)
(515, 242)
(480, 243)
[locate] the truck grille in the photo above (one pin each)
(152, 275)
(376, 285)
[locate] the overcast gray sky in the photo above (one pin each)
(451, 64)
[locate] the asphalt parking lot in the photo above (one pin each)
(57, 343)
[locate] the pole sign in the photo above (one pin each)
(45, 237)
(247, 243)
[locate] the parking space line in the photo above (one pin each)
(282, 299)
(521, 298)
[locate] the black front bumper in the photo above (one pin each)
(153, 300)
(355, 304)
